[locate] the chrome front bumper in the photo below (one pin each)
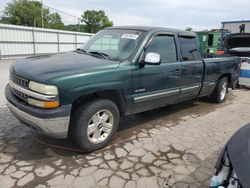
(54, 127)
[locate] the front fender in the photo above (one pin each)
(93, 88)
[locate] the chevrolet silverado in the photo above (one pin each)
(119, 71)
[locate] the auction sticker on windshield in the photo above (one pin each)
(130, 36)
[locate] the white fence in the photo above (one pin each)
(20, 41)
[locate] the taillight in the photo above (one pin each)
(240, 64)
(241, 61)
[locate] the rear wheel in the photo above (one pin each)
(94, 124)
(220, 92)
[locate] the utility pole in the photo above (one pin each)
(42, 13)
(79, 20)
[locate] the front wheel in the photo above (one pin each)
(94, 124)
(220, 92)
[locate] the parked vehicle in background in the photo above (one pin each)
(238, 44)
(245, 60)
(244, 79)
(119, 71)
(233, 164)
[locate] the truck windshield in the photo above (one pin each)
(113, 44)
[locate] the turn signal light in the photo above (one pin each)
(51, 104)
(43, 104)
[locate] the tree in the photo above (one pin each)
(55, 21)
(95, 20)
(4, 20)
(189, 29)
(75, 27)
(28, 13)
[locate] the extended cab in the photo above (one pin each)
(119, 71)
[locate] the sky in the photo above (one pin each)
(198, 14)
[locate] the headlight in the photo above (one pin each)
(42, 88)
(43, 104)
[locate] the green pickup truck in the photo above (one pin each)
(119, 71)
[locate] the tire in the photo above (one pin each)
(95, 116)
(220, 92)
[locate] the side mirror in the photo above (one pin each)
(152, 59)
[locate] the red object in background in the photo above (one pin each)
(220, 52)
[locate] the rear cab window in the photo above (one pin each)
(189, 48)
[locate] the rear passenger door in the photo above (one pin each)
(192, 68)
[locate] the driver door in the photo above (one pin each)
(157, 85)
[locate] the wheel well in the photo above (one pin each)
(113, 95)
(228, 76)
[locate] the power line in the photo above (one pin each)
(63, 12)
(55, 9)
(77, 26)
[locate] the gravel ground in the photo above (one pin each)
(4, 76)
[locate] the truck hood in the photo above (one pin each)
(238, 44)
(46, 67)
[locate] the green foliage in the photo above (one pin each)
(4, 20)
(95, 20)
(55, 21)
(189, 29)
(28, 13)
(75, 27)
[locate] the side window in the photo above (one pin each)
(189, 49)
(165, 46)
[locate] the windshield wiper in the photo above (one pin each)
(93, 53)
(96, 53)
(80, 50)
(103, 55)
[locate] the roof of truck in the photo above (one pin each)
(154, 28)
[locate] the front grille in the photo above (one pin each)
(19, 94)
(20, 81)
